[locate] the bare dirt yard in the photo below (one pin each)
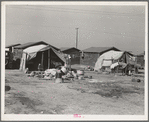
(109, 95)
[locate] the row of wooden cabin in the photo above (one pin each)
(88, 56)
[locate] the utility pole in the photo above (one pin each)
(77, 37)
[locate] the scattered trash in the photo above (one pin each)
(32, 74)
(138, 80)
(135, 80)
(80, 72)
(69, 74)
(74, 74)
(65, 77)
(90, 77)
(89, 68)
(48, 77)
(80, 77)
(41, 76)
(64, 70)
(50, 71)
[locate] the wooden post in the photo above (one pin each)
(69, 64)
(42, 60)
(25, 62)
(49, 62)
(77, 37)
(136, 60)
(136, 67)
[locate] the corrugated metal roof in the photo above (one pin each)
(68, 48)
(98, 49)
(12, 45)
(23, 46)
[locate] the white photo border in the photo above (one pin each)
(40, 117)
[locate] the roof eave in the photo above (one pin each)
(26, 46)
(69, 49)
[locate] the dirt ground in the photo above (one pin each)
(111, 95)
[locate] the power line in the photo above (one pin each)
(103, 32)
(40, 25)
(107, 13)
(118, 34)
(87, 10)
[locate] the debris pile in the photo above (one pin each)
(59, 75)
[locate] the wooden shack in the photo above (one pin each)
(73, 52)
(90, 55)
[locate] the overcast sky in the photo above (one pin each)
(99, 26)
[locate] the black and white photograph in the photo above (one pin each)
(74, 60)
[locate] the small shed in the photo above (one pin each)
(73, 52)
(9, 50)
(141, 59)
(90, 55)
(11, 47)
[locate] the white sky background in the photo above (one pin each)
(99, 26)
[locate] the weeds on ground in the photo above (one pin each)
(106, 89)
